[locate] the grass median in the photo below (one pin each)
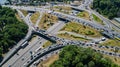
(18, 17)
(71, 37)
(47, 21)
(111, 42)
(84, 15)
(81, 29)
(25, 13)
(48, 43)
(63, 9)
(35, 17)
(97, 19)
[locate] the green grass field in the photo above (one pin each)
(97, 19)
(80, 29)
(84, 15)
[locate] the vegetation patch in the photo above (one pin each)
(47, 21)
(33, 38)
(63, 9)
(109, 8)
(84, 15)
(49, 61)
(114, 59)
(35, 17)
(25, 13)
(18, 17)
(97, 19)
(111, 42)
(71, 37)
(48, 43)
(74, 56)
(80, 29)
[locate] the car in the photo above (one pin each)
(28, 61)
(22, 58)
(97, 42)
(24, 65)
(9, 66)
(38, 53)
(39, 38)
(34, 63)
(103, 39)
(102, 51)
(34, 56)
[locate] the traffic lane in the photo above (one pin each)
(56, 28)
(27, 54)
(45, 58)
(16, 56)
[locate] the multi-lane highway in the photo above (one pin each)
(27, 55)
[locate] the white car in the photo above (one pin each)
(103, 39)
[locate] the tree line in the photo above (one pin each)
(74, 56)
(109, 8)
(11, 29)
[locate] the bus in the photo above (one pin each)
(24, 44)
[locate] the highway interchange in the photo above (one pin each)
(24, 57)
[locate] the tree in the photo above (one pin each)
(109, 8)
(1, 51)
(11, 29)
(74, 56)
(0, 7)
(79, 65)
(91, 64)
